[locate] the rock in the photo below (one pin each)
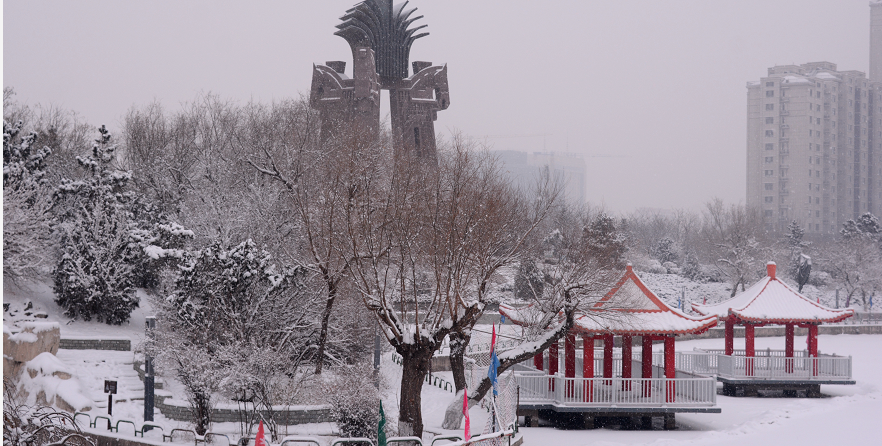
(33, 339)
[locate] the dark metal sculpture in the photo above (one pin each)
(382, 27)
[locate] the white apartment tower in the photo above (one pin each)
(814, 142)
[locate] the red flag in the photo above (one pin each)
(705, 301)
(493, 340)
(465, 412)
(259, 440)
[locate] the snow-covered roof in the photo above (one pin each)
(632, 308)
(826, 75)
(628, 308)
(796, 80)
(773, 301)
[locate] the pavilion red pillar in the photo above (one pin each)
(749, 351)
(626, 362)
(570, 363)
(538, 361)
(813, 347)
(670, 372)
(730, 336)
(588, 367)
(647, 365)
(608, 357)
(788, 348)
(552, 364)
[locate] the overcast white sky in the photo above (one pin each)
(652, 93)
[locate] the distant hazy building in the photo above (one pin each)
(525, 169)
(814, 142)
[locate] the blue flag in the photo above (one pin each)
(494, 363)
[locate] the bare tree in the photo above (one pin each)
(320, 182)
(575, 277)
(734, 237)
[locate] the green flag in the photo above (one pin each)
(381, 428)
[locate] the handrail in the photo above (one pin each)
(83, 413)
(353, 440)
(416, 440)
(446, 437)
(172, 433)
(94, 423)
(215, 434)
(299, 439)
(134, 427)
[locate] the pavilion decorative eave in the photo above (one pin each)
(771, 301)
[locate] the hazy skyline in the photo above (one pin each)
(652, 93)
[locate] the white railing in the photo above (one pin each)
(824, 367)
(757, 353)
(636, 355)
(697, 362)
(677, 392)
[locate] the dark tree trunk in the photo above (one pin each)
(201, 412)
(323, 334)
(415, 366)
(458, 344)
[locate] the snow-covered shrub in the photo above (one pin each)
(355, 404)
(240, 323)
(30, 424)
(671, 268)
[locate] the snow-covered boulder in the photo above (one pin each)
(33, 339)
(48, 381)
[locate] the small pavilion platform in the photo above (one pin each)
(631, 381)
(745, 372)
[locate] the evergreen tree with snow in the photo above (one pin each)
(93, 277)
(26, 204)
(605, 242)
(800, 266)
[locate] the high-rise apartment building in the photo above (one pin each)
(525, 169)
(814, 142)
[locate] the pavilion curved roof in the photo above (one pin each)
(629, 308)
(772, 301)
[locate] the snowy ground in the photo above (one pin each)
(847, 414)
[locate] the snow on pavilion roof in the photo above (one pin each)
(630, 308)
(772, 301)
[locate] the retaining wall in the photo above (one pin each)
(121, 345)
(313, 414)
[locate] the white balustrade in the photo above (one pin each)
(824, 367)
(605, 392)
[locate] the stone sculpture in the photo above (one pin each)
(378, 33)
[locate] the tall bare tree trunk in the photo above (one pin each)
(458, 343)
(415, 362)
(323, 334)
